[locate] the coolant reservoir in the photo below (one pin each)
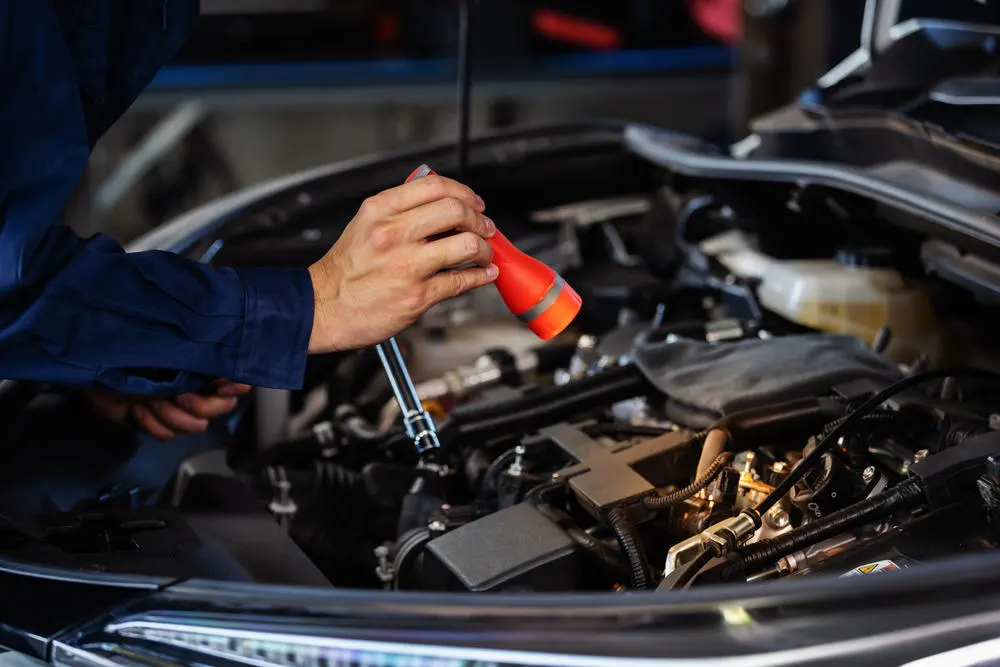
(856, 293)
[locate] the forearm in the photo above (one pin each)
(84, 312)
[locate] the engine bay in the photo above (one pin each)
(756, 390)
(782, 369)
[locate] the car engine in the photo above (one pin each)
(781, 368)
(758, 394)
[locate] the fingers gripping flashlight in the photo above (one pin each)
(538, 296)
(533, 292)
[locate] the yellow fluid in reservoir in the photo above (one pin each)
(857, 302)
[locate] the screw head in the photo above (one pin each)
(777, 518)
(920, 455)
(868, 474)
(381, 552)
(436, 526)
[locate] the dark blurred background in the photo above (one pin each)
(268, 87)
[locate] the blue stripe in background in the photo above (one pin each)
(403, 70)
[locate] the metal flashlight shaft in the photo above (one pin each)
(418, 422)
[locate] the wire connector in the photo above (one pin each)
(721, 539)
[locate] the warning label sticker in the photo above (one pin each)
(878, 567)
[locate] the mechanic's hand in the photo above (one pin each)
(387, 267)
(166, 417)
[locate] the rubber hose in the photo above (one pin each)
(662, 502)
(905, 495)
(535, 409)
(882, 416)
(959, 433)
(354, 425)
(779, 421)
(499, 464)
(537, 493)
(409, 545)
(306, 449)
(631, 548)
(594, 547)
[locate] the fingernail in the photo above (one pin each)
(492, 271)
(491, 227)
(482, 204)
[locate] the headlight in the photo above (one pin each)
(147, 642)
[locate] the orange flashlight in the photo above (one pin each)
(532, 291)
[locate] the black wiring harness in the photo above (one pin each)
(665, 501)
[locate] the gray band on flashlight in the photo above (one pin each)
(424, 170)
(550, 298)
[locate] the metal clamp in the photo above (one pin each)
(721, 538)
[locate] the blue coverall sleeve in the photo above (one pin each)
(82, 312)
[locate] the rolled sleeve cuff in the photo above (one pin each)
(277, 324)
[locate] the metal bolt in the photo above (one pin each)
(437, 526)
(384, 570)
(779, 466)
(868, 474)
(517, 467)
(777, 518)
(661, 311)
(920, 455)
(282, 505)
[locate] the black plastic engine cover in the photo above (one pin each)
(515, 548)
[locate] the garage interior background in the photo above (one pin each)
(270, 87)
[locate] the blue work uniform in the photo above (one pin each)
(82, 312)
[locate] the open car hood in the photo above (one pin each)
(904, 126)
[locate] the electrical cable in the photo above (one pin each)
(631, 548)
(827, 441)
(662, 502)
(905, 495)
